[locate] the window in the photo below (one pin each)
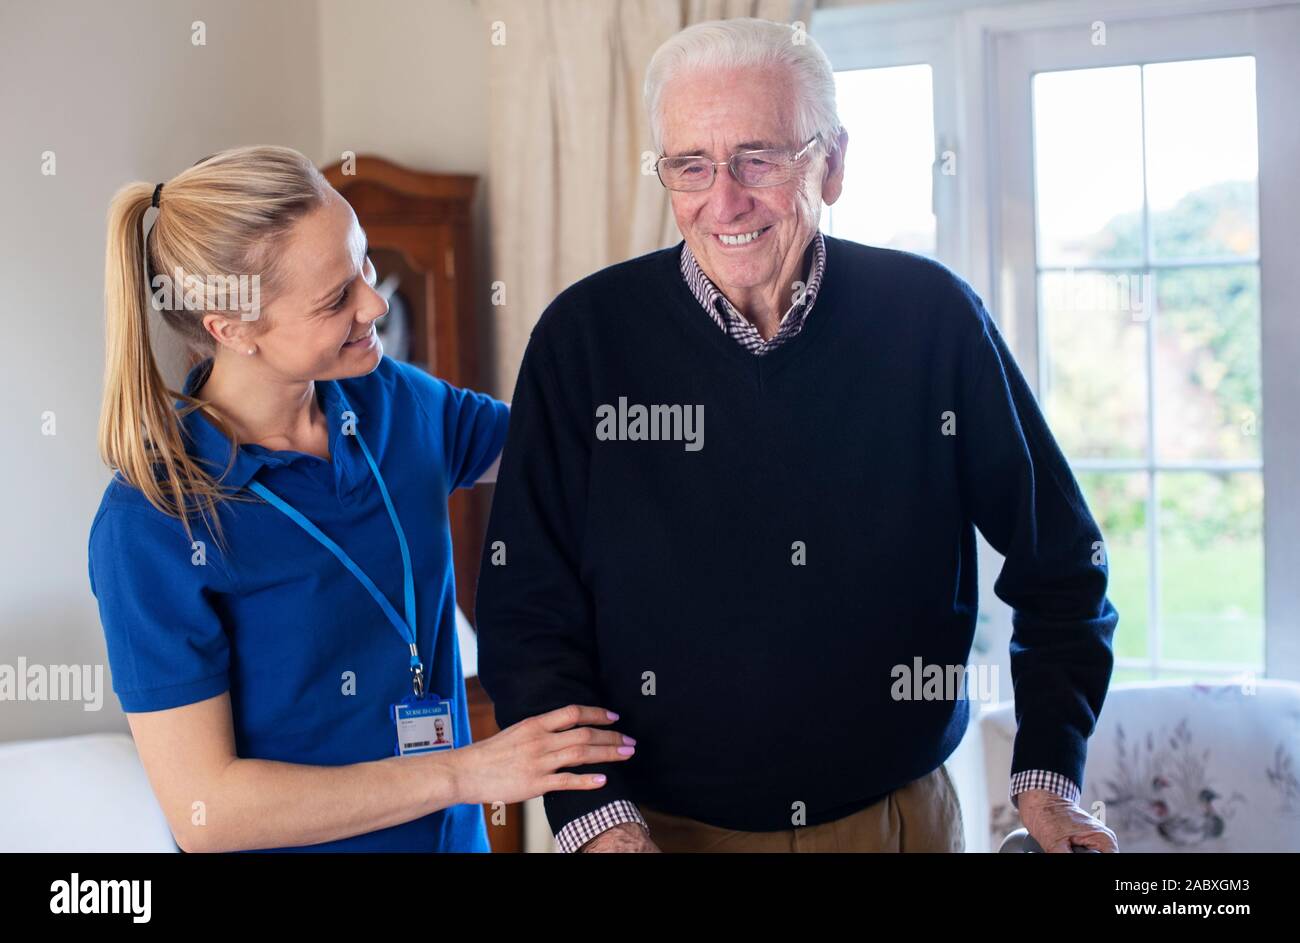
(1149, 334)
(1126, 203)
(889, 114)
(894, 77)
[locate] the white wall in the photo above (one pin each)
(118, 92)
(406, 79)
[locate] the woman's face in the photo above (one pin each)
(321, 323)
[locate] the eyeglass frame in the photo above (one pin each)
(714, 164)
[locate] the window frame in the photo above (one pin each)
(983, 212)
(1021, 54)
(854, 42)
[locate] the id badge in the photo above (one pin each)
(424, 725)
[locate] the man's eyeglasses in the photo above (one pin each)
(763, 168)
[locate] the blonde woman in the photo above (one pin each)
(272, 558)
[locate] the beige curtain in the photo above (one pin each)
(566, 192)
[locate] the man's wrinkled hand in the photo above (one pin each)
(1057, 823)
(625, 837)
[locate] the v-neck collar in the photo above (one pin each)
(687, 307)
(212, 448)
(729, 318)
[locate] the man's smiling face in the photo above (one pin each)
(717, 114)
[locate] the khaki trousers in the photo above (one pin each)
(924, 815)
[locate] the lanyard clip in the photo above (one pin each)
(417, 672)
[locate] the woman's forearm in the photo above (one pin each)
(268, 804)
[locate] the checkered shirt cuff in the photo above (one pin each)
(583, 829)
(1028, 779)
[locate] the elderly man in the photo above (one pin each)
(738, 502)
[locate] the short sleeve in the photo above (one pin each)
(473, 426)
(166, 643)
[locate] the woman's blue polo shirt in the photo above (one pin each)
(311, 663)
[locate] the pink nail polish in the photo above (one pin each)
(627, 751)
(599, 777)
(611, 715)
(628, 740)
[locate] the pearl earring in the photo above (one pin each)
(252, 350)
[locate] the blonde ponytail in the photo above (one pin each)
(222, 216)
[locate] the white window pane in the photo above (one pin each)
(1088, 165)
(888, 187)
(1202, 158)
(1160, 157)
(1207, 369)
(1094, 377)
(1212, 568)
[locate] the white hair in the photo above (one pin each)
(747, 42)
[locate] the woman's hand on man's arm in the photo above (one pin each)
(215, 801)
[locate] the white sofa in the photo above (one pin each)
(90, 792)
(84, 793)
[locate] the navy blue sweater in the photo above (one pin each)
(742, 593)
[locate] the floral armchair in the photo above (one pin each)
(1178, 767)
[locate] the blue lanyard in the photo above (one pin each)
(406, 629)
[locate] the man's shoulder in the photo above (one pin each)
(648, 267)
(915, 270)
(917, 281)
(609, 292)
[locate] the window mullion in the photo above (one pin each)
(1153, 486)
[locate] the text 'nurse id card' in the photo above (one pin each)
(424, 727)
